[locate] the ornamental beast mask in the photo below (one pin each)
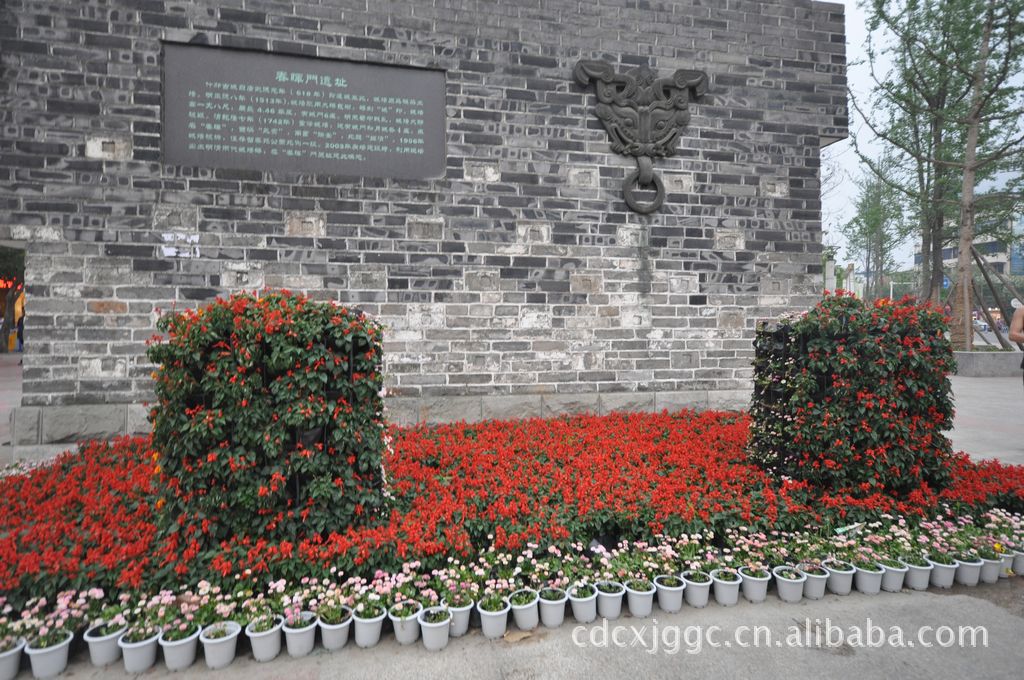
(643, 115)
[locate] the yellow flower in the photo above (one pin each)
(157, 470)
(999, 548)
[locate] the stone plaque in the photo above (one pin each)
(226, 108)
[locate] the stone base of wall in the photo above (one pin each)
(41, 432)
(406, 411)
(987, 364)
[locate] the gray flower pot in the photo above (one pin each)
(990, 570)
(220, 652)
(893, 578)
(670, 598)
(696, 594)
(814, 586)
(407, 630)
(1004, 571)
(584, 609)
(869, 582)
(367, 631)
(494, 624)
(180, 654)
(1018, 562)
(640, 602)
(840, 581)
(49, 662)
(103, 649)
(968, 573)
(609, 605)
(266, 645)
(335, 635)
(138, 656)
(526, 616)
(435, 635)
(10, 660)
(727, 593)
(460, 619)
(552, 612)
(755, 588)
(789, 590)
(917, 577)
(942, 574)
(300, 641)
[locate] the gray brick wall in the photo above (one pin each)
(519, 273)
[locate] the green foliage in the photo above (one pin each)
(269, 425)
(854, 398)
(925, 58)
(874, 232)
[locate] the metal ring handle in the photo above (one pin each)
(633, 203)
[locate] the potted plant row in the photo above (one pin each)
(435, 607)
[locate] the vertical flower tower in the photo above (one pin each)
(269, 428)
(854, 399)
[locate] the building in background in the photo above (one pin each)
(1004, 258)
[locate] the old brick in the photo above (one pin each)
(305, 223)
(107, 307)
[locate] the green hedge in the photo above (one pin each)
(270, 422)
(855, 398)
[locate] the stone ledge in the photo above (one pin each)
(44, 431)
(70, 424)
(39, 452)
(39, 432)
(411, 410)
(993, 364)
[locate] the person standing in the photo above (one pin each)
(1017, 325)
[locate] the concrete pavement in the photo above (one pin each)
(10, 396)
(989, 420)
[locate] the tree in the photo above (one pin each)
(875, 232)
(905, 111)
(998, 56)
(948, 89)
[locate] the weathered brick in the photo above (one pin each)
(107, 307)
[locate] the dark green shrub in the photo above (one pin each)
(854, 398)
(269, 426)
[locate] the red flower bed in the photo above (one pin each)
(460, 487)
(86, 519)
(89, 519)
